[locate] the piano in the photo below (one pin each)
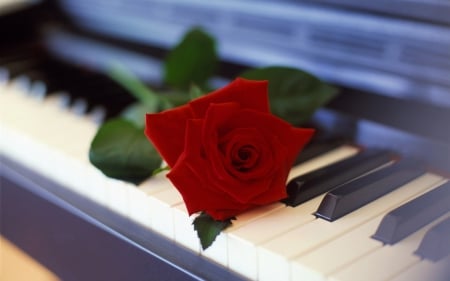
(389, 59)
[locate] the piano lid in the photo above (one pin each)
(371, 47)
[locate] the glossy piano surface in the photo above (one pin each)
(84, 226)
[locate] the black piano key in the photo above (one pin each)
(355, 194)
(319, 147)
(310, 185)
(413, 215)
(93, 89)
(436, 243)
(17, 68)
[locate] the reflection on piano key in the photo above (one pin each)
(436, 243)
(411, 216)
(351, 196)
(385, 262)
(426, 270)
(219, 249)
(349, 247)
(274, 256)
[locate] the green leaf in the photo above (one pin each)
(294, 94)
(160, 170)
(121, 151)
(177, 98)
(193, 60)
(195, 92)
(207, 229)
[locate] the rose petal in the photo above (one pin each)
(262, 166)
(224, 214)
(192, 181)
(248, 93)
(166, 131)
(196, 195)
(293, 139)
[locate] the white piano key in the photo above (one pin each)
(183, 229)
(242, 242)
(317, 264)
(65, 150)
(140, 207)
(158, 208)
(426, 270)
(392, 259)
(161, 205)
(218, 251)
(275, 255)
(331, 256)
(96, 188)
(323, 160)
(118, 199)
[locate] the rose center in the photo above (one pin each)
(244, 158)
(244, 153)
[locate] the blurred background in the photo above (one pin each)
(390, 59)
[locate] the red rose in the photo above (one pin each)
(227, 153)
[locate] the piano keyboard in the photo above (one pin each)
(274, 242)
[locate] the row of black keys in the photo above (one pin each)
(345, 194)
(363, 178)
(89, 91)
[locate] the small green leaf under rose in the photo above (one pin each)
(121, 151)
(294, 94)
(207, 229)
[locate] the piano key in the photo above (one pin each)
(384, 263)
(323, 160)
(4, 77)
(218, 251)
(319, 147)
(118, 196)
(335, 254)
(436, 243)
(140, 198)
(274, 256)
(343, 151)
(318, 264)
(48, 130)
(79, 106)
(426, 270)
(242, 242)
(411, 216)
(18, 67)
(183, 228)
(352, 195)
(308, 186)
(38, 89)
(161, 205)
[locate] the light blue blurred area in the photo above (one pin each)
(373, 46)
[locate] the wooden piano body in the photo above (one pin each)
(392, 67)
